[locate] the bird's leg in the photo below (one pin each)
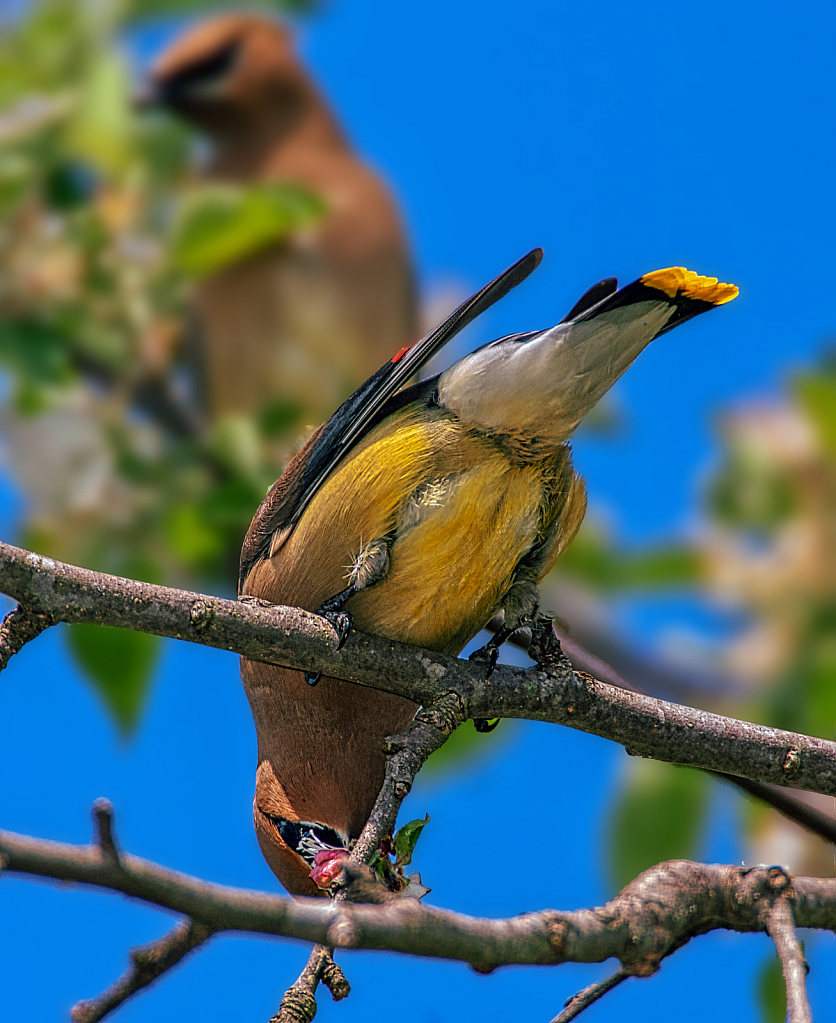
(370, 567)
(522, 604)
(488, 655)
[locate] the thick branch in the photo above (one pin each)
(652, 917)
(792, 807)
(299, 639)
(18, 628)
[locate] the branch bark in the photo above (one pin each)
(651, 918)
(288, 636)
(781, 928)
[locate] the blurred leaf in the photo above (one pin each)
(219, 225)
(16, 173)
(749, 493)
(141, 9)
(821, 687)
(278, 418)
(190, 537)
(236, 443)
(231, 503)
(120, 664)
(35, 351)
(659, 815)
(67, 185)
(594, 559)
(406, 839)
(101, 129)
(772, 991)
(816, 394)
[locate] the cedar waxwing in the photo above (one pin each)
(422, 512)
(308, 319)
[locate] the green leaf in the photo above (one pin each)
(816, 394)
(406, 839)
(189, 535)
(120, 664)
(142, 9)
(220, 225)
(36, 352)
(279, 417)
(772, 991)
(658, 816)
(102, 128)
(593, 558)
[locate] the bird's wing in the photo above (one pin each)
(293, 492)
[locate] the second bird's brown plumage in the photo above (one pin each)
(308, 319)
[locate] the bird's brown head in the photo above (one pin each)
(293, 848)
(227, 71)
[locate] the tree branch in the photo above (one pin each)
(18, 628)
(652, 917)
(427, 732)
(298, 639)
(781, 928)
(575, 1005)
(299, 1001)
(147, 964)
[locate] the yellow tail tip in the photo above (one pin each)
(676, 280)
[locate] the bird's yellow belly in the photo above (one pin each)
(454, 556)
(457, 512)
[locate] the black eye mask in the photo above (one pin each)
(180, 86)
(307, 839)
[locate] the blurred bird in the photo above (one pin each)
(308, 319)
(422, 512)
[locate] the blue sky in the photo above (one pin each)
(622, 138)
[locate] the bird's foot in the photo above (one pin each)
(340, 622)
(545, 649)
(339, 619)
(487, 656)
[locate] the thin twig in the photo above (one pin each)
(18, 628)
(583, 999)
(105, 836)
(299, 1001)
(780, 926)
(818, 823)
(147, 964)
(427, 732)
(294, 638)
(431, 727)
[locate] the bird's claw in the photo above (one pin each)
(486, 655)
(484, 725)
(340, 622)
(545, 649)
